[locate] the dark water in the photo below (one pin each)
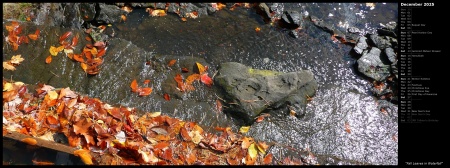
(342, 97)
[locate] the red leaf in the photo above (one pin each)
(218, 105)
(268, 159)
(161, 145)
(64, 36)
(166, 96)
(184, 70)
(206, 79)
(146, 81)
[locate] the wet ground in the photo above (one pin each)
(343, 123)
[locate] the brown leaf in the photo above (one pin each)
(268, 159)
(161, 145)
(184, 70)
(29, 141)
(246, 142)
(347, 127)
(147, 81)
(35, 162)
(184, 134)
(82, 126)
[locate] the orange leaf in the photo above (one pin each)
(84, 155)
(179, 79)
(218, 105)
(29, 141)
(88, 38)
(146, 81)
(171, 62)
(74, 41)
(145, 91)
(184, 19)
(81, 126)
(347, 127)
(33, 36)
(185, 134)
(134, 86)
(101, 52)
(206, 79)
(42, 162)
(48, 60)
(191, 78)
(78, 57)
(52, 120)
(201, 68)
(166, 96)
(84, 66)
(257, 29)
(161, 145)
(268, 159)
(37, 32)
(191, 158)
(94, 51)
(246, 142)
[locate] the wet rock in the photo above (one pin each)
(380, 42)
(173, 7)
(263, 10)
(160, 5)
(250, 91)
(109, 13)
(391, 54)
(186, 8)
(321, 24)
(361, 45)
(72, 18)
(142, 5)
(371, 65)
(202, 11)
(50, 14)
(353, 30)
(293, 33)
(388, 30)
(292, 19)
(210, 9)
(87, 11)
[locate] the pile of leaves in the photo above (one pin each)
(104, 134)
(15, 39)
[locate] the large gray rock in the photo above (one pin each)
(109, 13)
(361, 45)
(248, 92)
(292, 19)
(371, 65)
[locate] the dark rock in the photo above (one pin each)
(200, 5)
(202, 11)
(292, 19)
(272, 6)
(143, 5)
(173, 7)
(87, 11)
(361, 45)
(50, 14)
(210, 9)
(72, 17)
(321, 24)
(390, 54)
(353, 30)
(371, 65)
(250, 91)
(388, 30)
(186, 8)
(109, 13)
(380, 42)
(160, 5)
(120, 4)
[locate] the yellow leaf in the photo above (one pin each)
(201, 68)
(252, 151)
(84, 155)
(52, 95)
(68, 51)
(8, 66)
(60, 48)
(19, 83)
(84, 66)
(17, 59)
(7, 87)
(155, 114)
(53, 51)
(244, 129)
(261, 149)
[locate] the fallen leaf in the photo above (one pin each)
(244, 129)
(33, 36)
(42, 162)
(48, 60)
(147, 81)
(262, 147)
(53, 50)
(17, 59)
(166, 96)
(8, 66)
(252, 151)
(29, 141)
(268, 159)
(257, 29)
(184, 70)
(84, 66)
(183, 19)
(64, 36)
(123, 18)
(171, 62)
(206, 79)
(246, 141)
(201, 69)
(84, 155)
(52, 95)
(191, 78)
(82, 126)
(154, 114)
(134, 86)
(145, 91)
(347, 127)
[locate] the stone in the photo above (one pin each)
(109, 13)
(292, 19)
(249, 92)
(391, 54)
(361, 45)
(371, 65)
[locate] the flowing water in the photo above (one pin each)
(343, 98)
